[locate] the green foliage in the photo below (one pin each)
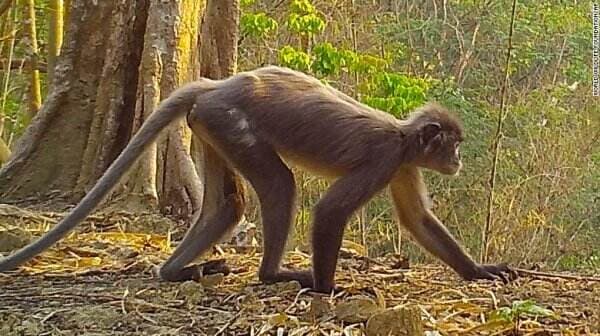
(520, 308)
(576, 261)
(545, 30)
(309, 24)
(304, 19)
(247, 3)
(328, 60)
(392, 92)
(257, 25)
(302, 7)
(13, 116)
(549, 165)
(294, 59)
(396, 93)
(369, 64)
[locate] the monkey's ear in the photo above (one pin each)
(429, 131)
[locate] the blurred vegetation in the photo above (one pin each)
(396, 55)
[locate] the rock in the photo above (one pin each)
(356, 310)
(404, 321)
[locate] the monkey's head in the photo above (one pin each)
(440, 134)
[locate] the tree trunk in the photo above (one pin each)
(49, 154)
(178, 182)
(218, 59)
(35, 93)
(119, 59)
(55, 35)
(165, 174)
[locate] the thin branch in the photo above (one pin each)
(525, 272)
(485, 234)
(4, 151)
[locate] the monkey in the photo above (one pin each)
(263, 121)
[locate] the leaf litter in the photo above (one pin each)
(101, 281)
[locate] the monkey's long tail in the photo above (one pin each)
(177, 105)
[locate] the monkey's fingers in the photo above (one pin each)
(513, 274)
(510, 274)
(500, 272)
(494, 276)
(504, 278)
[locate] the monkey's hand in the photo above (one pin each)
(493, 272)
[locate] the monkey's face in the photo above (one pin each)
(441, 149)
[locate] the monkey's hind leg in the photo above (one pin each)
(204, 233)
(229, 131)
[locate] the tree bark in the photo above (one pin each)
(165, 174)
(178, 183)
(218, 59)
(119, 59)
(112, 116)
(49, 154)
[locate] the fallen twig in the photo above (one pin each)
(556, 275)
(229, 322)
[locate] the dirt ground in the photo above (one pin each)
(100, 282)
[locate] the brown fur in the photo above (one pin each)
(255, 120)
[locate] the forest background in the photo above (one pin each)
(540, 142)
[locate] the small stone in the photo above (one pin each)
(404, 321)
(356, 310)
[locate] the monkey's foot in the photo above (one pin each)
(304, 277)
(493, 272)
(195, 271)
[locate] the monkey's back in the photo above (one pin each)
(307, 120)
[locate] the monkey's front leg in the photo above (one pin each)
(410, 200)
(331, 215)
(435, 238)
